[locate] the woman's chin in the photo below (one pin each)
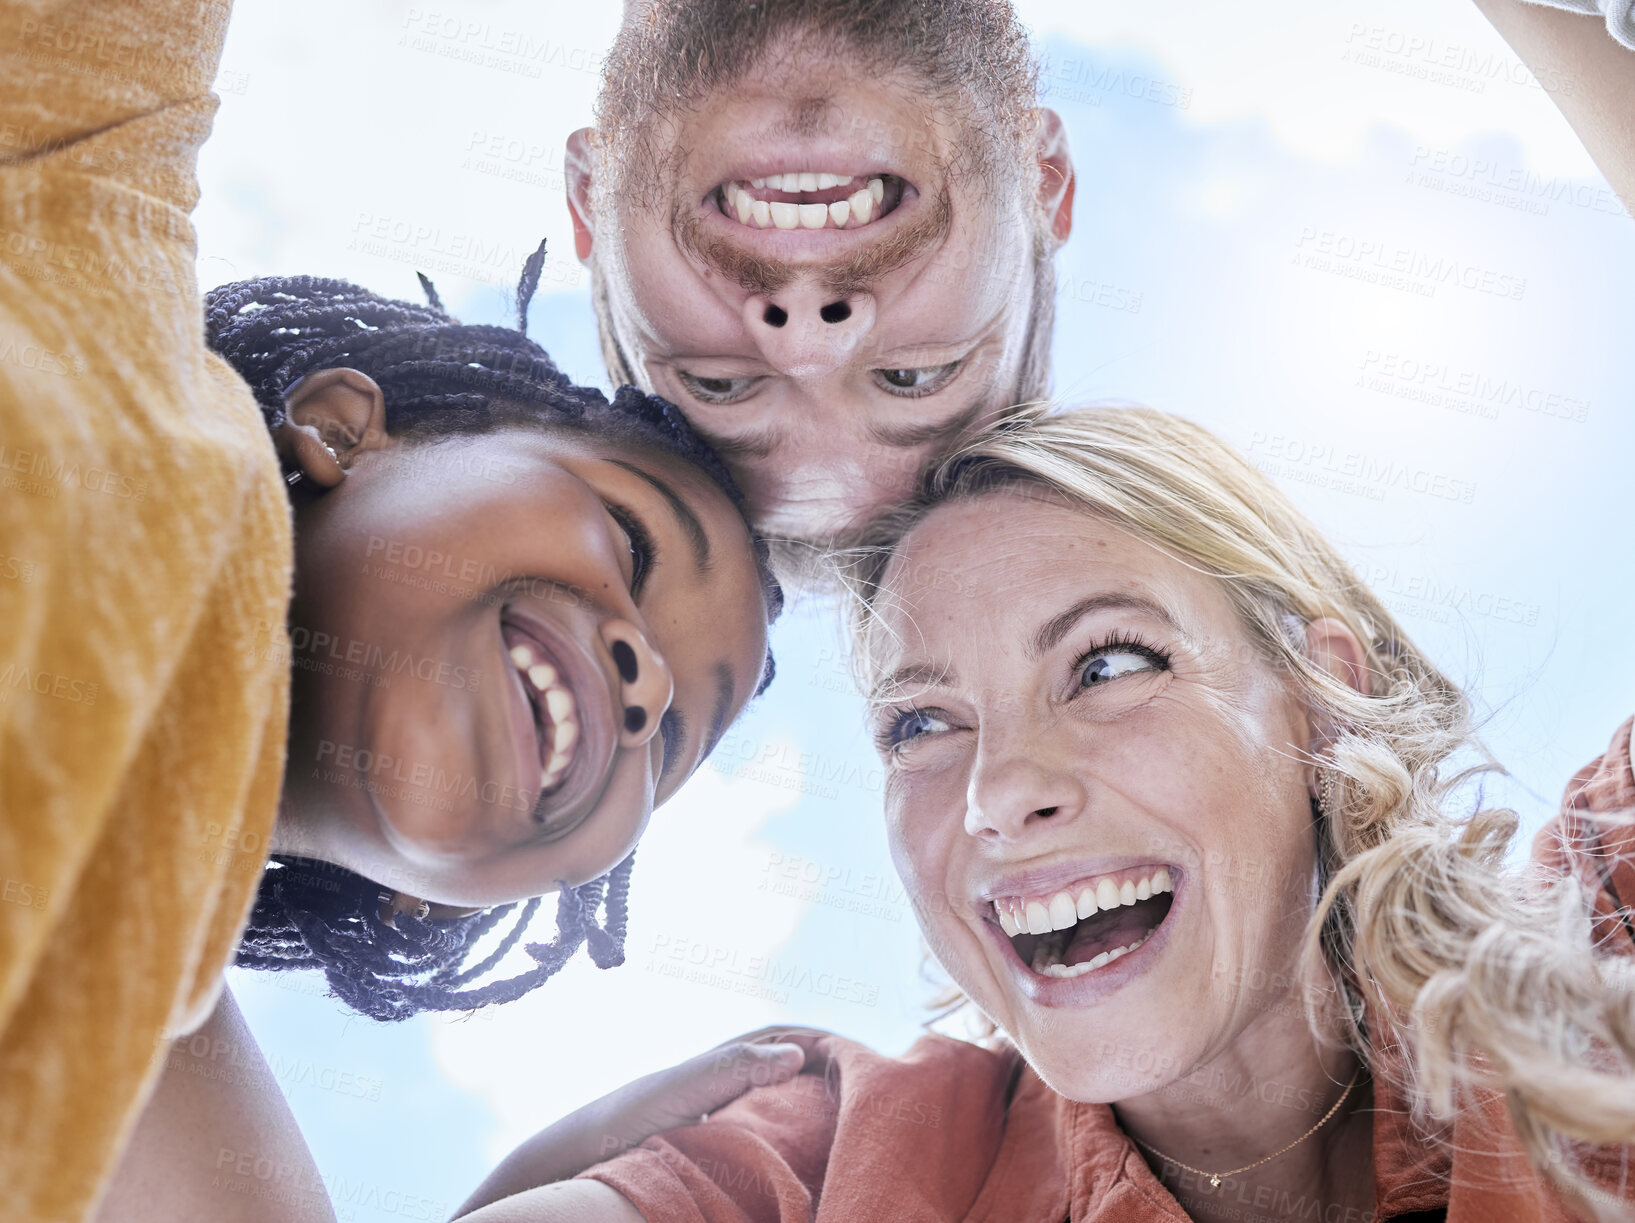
(1093, 1066)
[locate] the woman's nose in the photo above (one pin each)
(805, 330)
(1014, 788)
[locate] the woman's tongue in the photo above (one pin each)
(1105, 931)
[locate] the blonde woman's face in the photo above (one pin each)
(1094, 793)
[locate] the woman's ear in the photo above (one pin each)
(330, 418)
(1334, 648)
(1056, 178)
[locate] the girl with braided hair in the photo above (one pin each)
(523, 614)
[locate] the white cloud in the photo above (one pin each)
(1321, 77)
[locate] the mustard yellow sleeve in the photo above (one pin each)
(144, 553)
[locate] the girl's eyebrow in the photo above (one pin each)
(673, 726)
(724, 687)
(691, 527)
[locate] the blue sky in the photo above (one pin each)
(1399, 286)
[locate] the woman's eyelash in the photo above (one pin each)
(642, 551)
(892, 723)
(1129, 643)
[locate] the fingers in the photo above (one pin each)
(810, 1040)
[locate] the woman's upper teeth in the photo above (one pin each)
(849, 212)
(1067, 907)
(561, 710)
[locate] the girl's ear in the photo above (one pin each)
(331, 417)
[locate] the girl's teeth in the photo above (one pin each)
(1107, 895)
(559, 704)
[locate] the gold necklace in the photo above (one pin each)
(1215, 1178)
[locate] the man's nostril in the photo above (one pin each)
(1046, 811)
(835, 312)
(776, 316)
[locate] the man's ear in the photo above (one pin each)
(1056, 177)
(331, 417)
(577, 167)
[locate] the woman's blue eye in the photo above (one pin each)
(1111, 664)
(910, 725)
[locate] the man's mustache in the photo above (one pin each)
(853, 274)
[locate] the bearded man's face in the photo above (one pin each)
(824, 231)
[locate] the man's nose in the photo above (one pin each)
(806, 331)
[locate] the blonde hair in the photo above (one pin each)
(1490, 984)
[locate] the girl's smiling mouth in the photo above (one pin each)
(562, 719)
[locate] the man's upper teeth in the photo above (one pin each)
(801, 180)
(856, 209)
(560, 707)
(1043, 914)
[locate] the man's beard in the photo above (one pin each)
(970, 56)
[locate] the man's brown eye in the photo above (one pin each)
(716, 390)
(918, 381)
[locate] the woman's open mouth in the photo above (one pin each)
(1091, 923)
(810, 199)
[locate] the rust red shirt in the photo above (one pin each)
(954, 1131)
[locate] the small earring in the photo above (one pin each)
(635, 717)
(1325, 792)
(625, 659)
(294, 477)
(390, 901)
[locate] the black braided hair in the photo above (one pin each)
(438, 377)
